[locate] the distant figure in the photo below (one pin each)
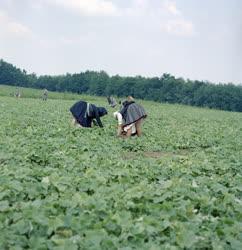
(133, 115)
(45, 95)
(17, 93)
(84, 114)
(111, 101)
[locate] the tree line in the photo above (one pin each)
(166, 88)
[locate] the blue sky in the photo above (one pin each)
(195, 39)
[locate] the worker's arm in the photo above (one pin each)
(120, 126)
(97, 118)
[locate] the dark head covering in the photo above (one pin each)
(102, 111)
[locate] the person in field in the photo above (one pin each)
(45, 95)
(121, 131)
(17, 93)
(130, 118)
(111, 101)
(85, 114)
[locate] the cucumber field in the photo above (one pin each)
(179, 186)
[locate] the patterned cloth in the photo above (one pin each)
(132, 112)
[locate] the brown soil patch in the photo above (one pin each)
(154, 154)
(129, 155)
(160, 154)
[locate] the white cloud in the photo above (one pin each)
(179, 27)
(18, 28)
(88, 7)
(11, 27)
(171, 8)
(175, 22)
(168, 16)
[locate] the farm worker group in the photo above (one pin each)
(129, 117)
(44, 96)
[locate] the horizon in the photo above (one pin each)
(196, 41)
(112, 75)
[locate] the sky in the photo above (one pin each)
(193, 39)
